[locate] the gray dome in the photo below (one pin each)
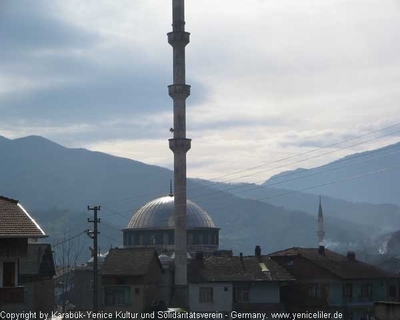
(159, 213)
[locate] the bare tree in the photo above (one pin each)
(67, 251)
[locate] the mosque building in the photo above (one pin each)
(152, 226)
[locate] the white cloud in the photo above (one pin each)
(270, 79)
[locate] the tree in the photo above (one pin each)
(67, 251)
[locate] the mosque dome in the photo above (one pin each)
(159, 213)
(153, 226)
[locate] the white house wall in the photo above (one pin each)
(222, 300)
(265, 293)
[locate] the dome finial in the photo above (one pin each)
(171, 194)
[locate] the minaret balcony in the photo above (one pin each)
(181, 91)
(180, 145)
(178, 38)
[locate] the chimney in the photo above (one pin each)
(257, 251)
(241, 261)
(351, 255)
(321, 250)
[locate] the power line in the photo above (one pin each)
(313, 187)
(314, 150)
(309, 158)
(297, 178)
(210, 182)
(70, 239)
(114, 212)
(319, 185)
(334, 182)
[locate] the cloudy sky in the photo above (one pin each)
(270, 79)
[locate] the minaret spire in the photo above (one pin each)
(321, 229)
(179, 145)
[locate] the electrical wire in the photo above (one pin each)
(210, 182)
(70, 239)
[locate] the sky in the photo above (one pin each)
(271, 80)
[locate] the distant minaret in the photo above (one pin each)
(179, 145)
(321, 230)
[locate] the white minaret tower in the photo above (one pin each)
(179, 145)
(321, 230)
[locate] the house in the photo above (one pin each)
(132, 280)
(64, 285)
(79, 292)
(17, 229)
(386, 310)
(240, 283)
(329, 281)
(36, 272)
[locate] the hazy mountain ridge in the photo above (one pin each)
(369, 176)
(56, 184)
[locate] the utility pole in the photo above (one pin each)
(93, 234)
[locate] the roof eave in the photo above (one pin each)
(29, 236)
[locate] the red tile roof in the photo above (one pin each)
(338, 264)
(15, 221)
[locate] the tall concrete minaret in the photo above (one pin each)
(321, 230)
(179, 145)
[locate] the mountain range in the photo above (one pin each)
(370, 176)
(56, 184)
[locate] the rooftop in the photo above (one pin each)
(129, 261)
(16, 221)
(227, 269)
(336, 263)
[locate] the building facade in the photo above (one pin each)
(251, 283)
(328, 281)
(17, 229)
(132, 280)
(36, 272)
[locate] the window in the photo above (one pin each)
(240, 294)
(120, 280)
(348, 290)
(314, 290)
(190, 239)
(165, 239)
(392, 291)
(206, 294)
(117, 296)
(290, 263)
(9, 274)
(366, 290)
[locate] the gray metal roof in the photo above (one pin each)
(159, 213)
